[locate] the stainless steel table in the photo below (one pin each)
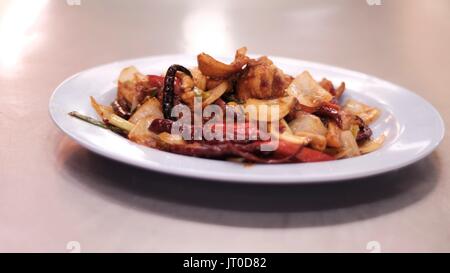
(57, 196)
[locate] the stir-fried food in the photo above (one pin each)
(248, 110)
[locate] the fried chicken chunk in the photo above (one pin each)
(213, 68)
(262, 80)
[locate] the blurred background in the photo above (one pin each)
(53, 191)
(399, 40)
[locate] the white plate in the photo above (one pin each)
(413, 127)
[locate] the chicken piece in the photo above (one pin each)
(213, 68)
(262, 80)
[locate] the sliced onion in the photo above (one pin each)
(103, 111)
(208, 97)
(317, 142)
(289, 137)
(266, 107)
(349, 146)
(366, 113)
(285, 125)
(305, 122)
(130, 74)
(214, 94)
(151, 108)
(171, 139)
(333, 135)
(187, 82)
(108, 116)
(372, 145)
(199, 79)
(128, 80)
(307, 91)
(142, 135)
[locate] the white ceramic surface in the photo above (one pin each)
(412, 126)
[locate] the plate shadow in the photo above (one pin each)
(246, 205)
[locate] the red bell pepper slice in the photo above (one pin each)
(309, 155)
(305, 154)
(156, 81)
